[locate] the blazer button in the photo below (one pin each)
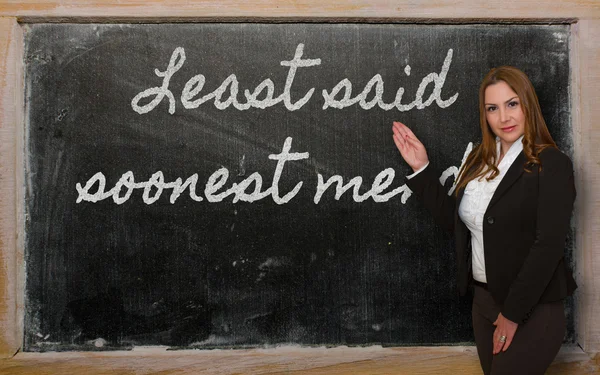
(490, 220)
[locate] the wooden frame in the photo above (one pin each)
(585, 59)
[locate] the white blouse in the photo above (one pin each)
(477, 197)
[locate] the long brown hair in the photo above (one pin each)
(536, 138)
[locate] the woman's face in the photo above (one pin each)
(504, 113)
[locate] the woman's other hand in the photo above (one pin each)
(504, 328)
(411, 149)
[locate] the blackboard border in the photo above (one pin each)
(584, 50)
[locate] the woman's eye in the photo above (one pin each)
(491, 109)
(513, 104)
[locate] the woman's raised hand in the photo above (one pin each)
(411, 149)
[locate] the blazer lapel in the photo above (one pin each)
(513, 173)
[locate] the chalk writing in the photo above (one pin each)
(453, 171)
(211, 190)
(195, 84)
(382, 181)
(226, 95)
(377, 83)
(251, 188)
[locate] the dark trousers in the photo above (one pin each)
(534, 346)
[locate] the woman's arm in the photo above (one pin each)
(425, 184)
(556, 196)
(434, 196)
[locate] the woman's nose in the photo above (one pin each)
(503, 115)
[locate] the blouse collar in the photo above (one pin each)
(514, 150)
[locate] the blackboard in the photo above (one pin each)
(145, 144)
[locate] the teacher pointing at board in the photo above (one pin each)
(510, 215)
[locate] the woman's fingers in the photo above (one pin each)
(409, 132)
(407, 135)
(402, 129)
(503, 334)
(411, 149)
(414, 143)
(406, 132)
(400, 144)
(509, 339)
(499, 344)
(399, 130)
(397, 124)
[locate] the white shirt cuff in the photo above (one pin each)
(418, 171)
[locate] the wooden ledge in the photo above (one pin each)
(301, 8)
(233, 18)
(280, 360)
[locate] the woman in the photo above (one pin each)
(510, 216)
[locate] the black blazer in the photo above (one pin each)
(524, 232)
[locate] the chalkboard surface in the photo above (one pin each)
(233, 185)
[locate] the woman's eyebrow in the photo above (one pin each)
(514, 97)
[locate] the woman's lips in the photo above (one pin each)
(509, 129)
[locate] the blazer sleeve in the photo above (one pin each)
(434, 196)
(556, 196)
